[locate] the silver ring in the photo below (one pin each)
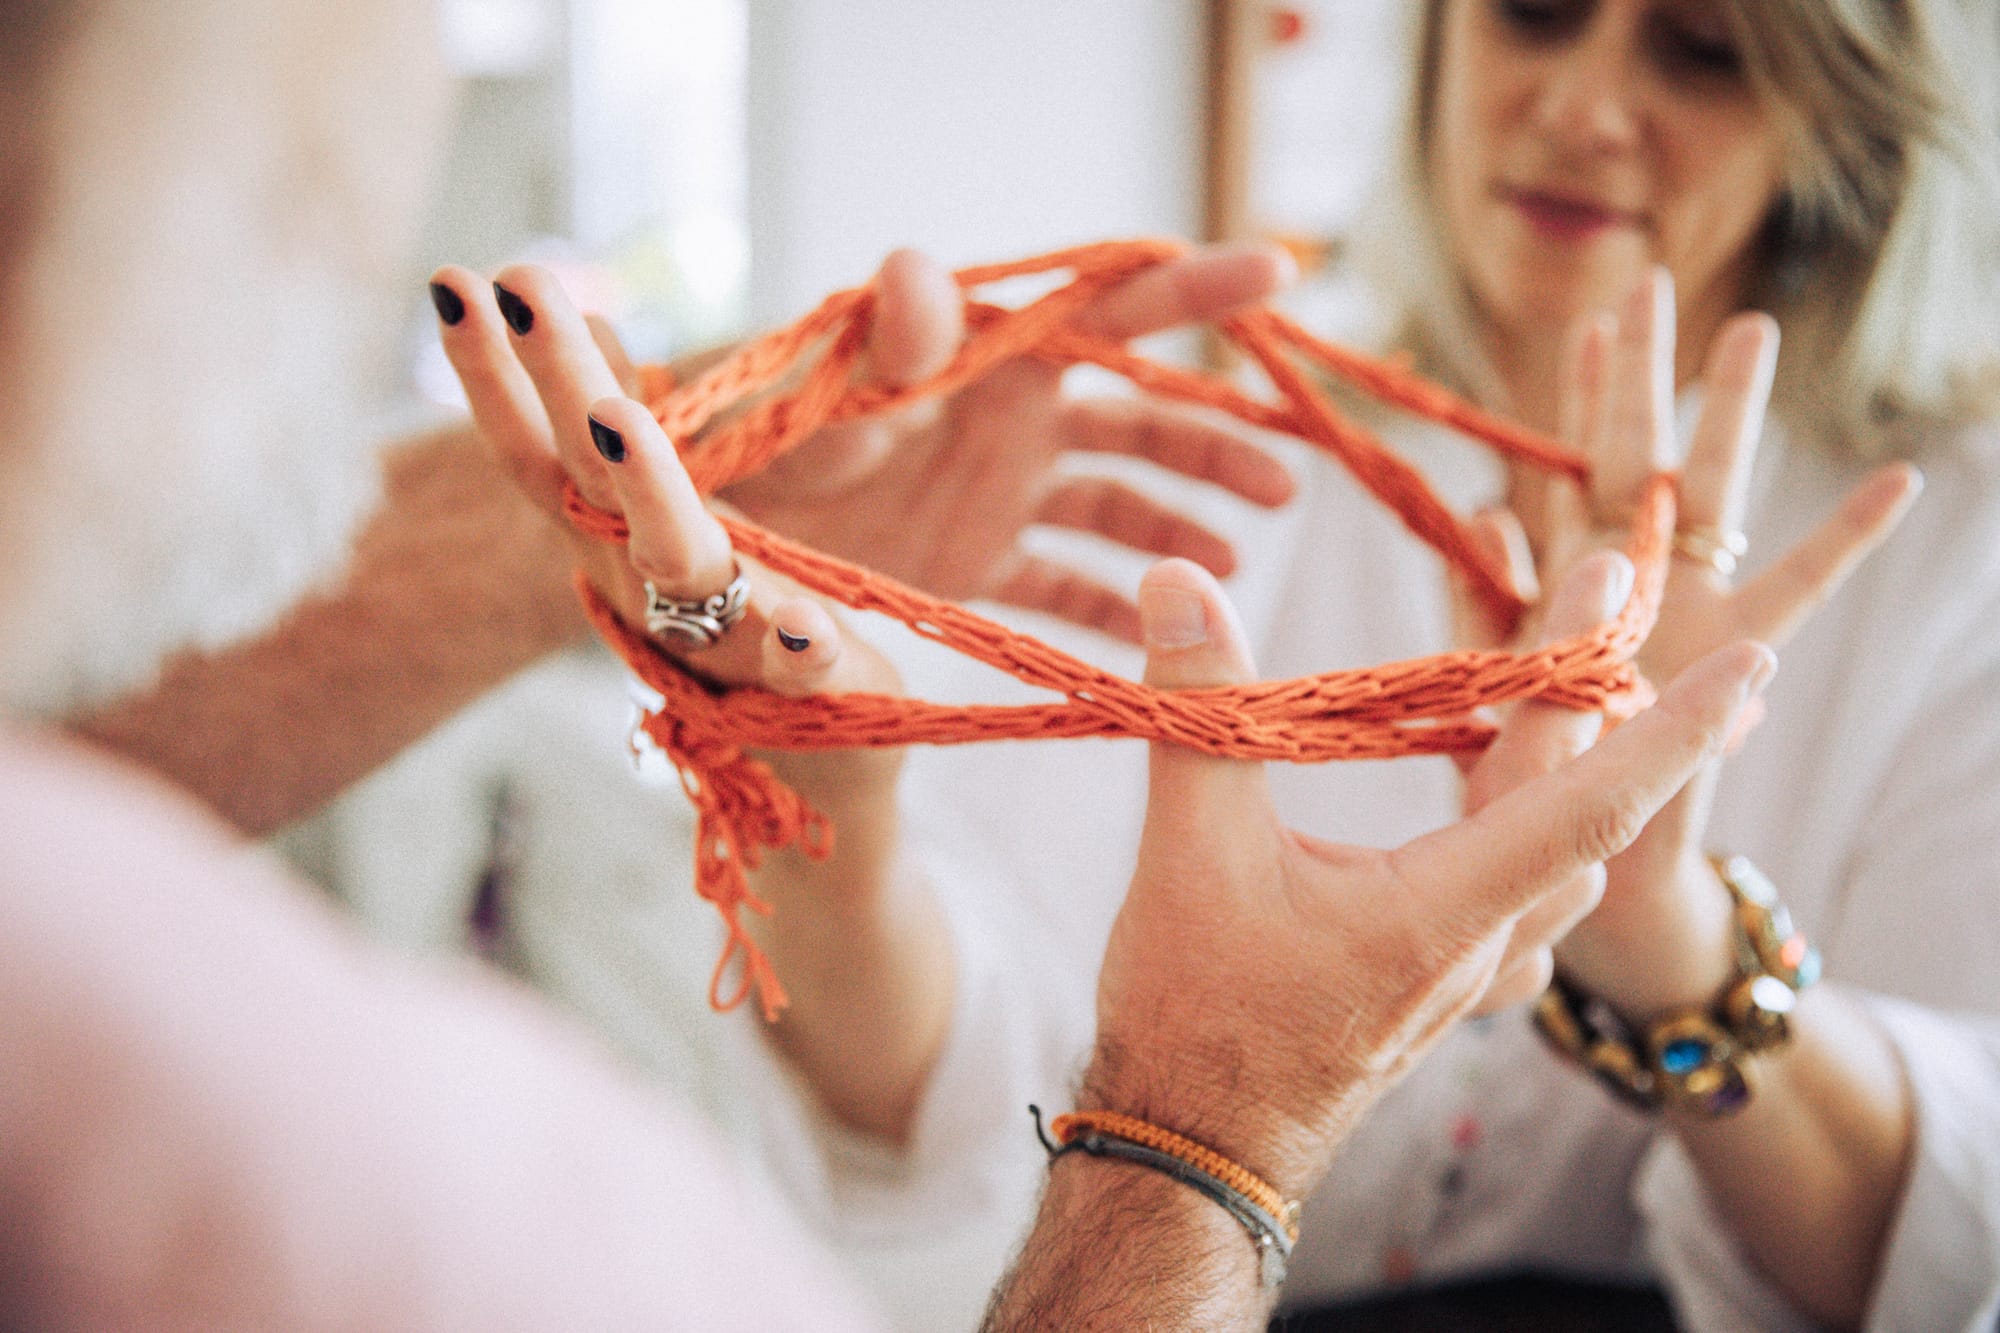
(698, 621)
(1711, 546)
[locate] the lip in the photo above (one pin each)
(1566, 218)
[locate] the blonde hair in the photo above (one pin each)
(1882, 260)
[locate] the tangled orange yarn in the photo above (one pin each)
(1421, 706)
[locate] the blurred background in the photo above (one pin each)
(699, 167)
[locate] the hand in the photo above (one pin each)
(1661, 938)
(858, 937)
(535, 388)
(938, 496)
(1261, 988)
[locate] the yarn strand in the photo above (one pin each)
(790, 383)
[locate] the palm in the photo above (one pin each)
(946, 506)
(939, 495)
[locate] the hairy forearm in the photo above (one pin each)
(1120, 1246)
(454, 586)
(1810, 1174)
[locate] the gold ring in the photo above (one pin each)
(1711, 546)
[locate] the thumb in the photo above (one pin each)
(1193, 640)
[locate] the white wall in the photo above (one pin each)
(976, 129)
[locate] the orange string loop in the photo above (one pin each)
(790, 383)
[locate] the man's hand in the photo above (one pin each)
(1261, 988)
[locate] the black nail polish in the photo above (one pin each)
(797, 643)
(519, 317)
(608, 441)
(450, 309)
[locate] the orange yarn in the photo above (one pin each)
(1421, 706)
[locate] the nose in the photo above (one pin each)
(1589, 101)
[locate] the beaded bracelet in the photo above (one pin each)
(1693, 1058)
(1273, 1223)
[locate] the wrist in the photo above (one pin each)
(1116, 1245)
(1242, 1118)
(1692, 1057)
(1661, 961)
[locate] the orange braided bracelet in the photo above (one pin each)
(1421, 706)
(1271, 1219)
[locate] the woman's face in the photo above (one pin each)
(1576, 142)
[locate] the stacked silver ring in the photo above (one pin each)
(697, 622)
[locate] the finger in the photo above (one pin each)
(1180, 442)
(1193, 640)
(1517, 982)
(1494, 865)
(613, 351)
(1203, 285)
(1569, 533)
(802, 648)
(1035, 584)
(1503, 543)
(1501, 537)
(1736, 388)
(1639, 417)
(919, 320)
(505, 407)
(676, 543)
(1580, 397)
(569, 373)
(1537, 736)
(1128, 516)
(1528, 963)
(1545, 924)
(1773, 604)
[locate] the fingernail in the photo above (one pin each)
(608, 441)
(1173, 618)
(796, 643)
(450, 309)
(519, 317)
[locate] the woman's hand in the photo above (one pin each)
(938, 495)
(1661, 936)
(545, 396)
(857, 937)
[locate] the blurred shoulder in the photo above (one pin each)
(68, 812)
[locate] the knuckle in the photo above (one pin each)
(1608, 823)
